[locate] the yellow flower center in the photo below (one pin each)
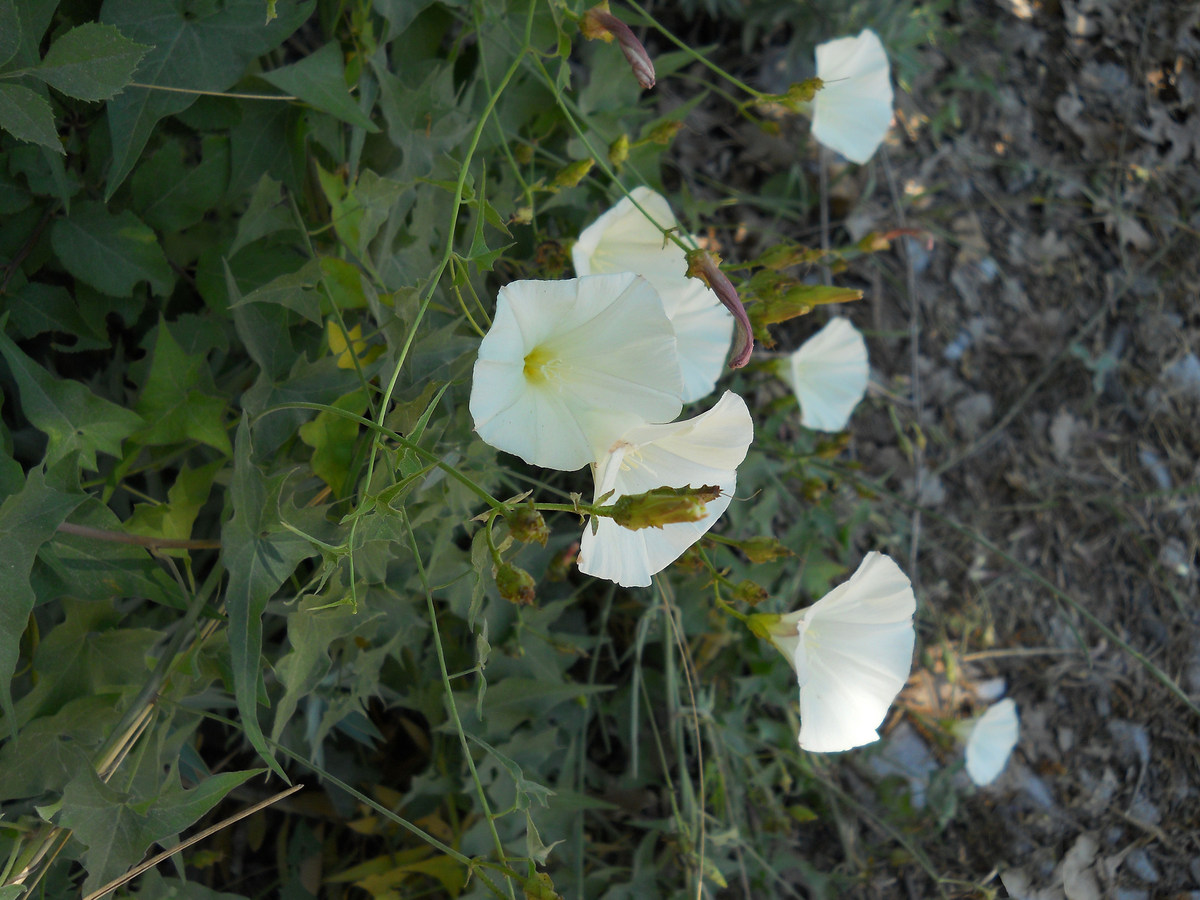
(541, 365)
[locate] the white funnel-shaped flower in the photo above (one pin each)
(625, 240)
(568, 366)
(852, 652)
(705, 450)
(829, 375)
(853, 109)
(992, 741)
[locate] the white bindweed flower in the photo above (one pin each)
(625, 240)
(705, 450)
(853, 109)
(852, 652)
(992, 741)
(829, 375)
(568, 366)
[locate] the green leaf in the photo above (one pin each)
(295, 290)
(90, 62)
(153, 886)
(118, 832)
(333, 438)
(27, 520)
(172, 196)
(35, 16)
(48, 751)
(28, 117)
(266, 214)
(174, 519)
(71, 416)
(178, 399)
(258, 556)
(320, 81)
(96, 571)
(111, 253)
(38, 308)
(310, 632)
(10, 31)
(196, 47)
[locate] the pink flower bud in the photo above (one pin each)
(599, 23)
(706, 267)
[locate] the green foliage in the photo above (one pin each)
(290, 221)
(91, 62)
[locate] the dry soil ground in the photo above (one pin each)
(1036, 390)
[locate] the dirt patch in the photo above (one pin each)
(1037, 392)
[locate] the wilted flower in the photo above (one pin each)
(515, 584)
(852, 652)
(992, 741)
(625, 240)
(599, 23)
(705, 450)
(853, 110)
(707, 267)
(829, 375)
(568, 366)
(526, 524)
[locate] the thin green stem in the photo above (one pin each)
(451, 706)
(735, 81)
(404, 442)
(565, 105)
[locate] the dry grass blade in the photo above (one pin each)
(183, 845)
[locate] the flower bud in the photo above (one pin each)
(572, 174)
(663, 133)
(749, 593)
(599, 23)
(663, 506)
(799, 300)
(706, 267)
(515, 584)
(802, 92)
(540, 887)
(618, 151)
(527, 525)
(763, 549)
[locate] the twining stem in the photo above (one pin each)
(564, 105)
(179, 90)
(404, 442)
(451, 706)
(151, 543)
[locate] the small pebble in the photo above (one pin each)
(1138, 862)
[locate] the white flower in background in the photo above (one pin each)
(568, 366)
(625, 240)
(992, 741)
(829, 375)
(852, 652)
(853, 109)
(705, 450)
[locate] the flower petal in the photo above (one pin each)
(703, 450)
(853, 656)
(853, 110)
(992, 741)
(829, 375)
(623, 239)
(568, 366)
